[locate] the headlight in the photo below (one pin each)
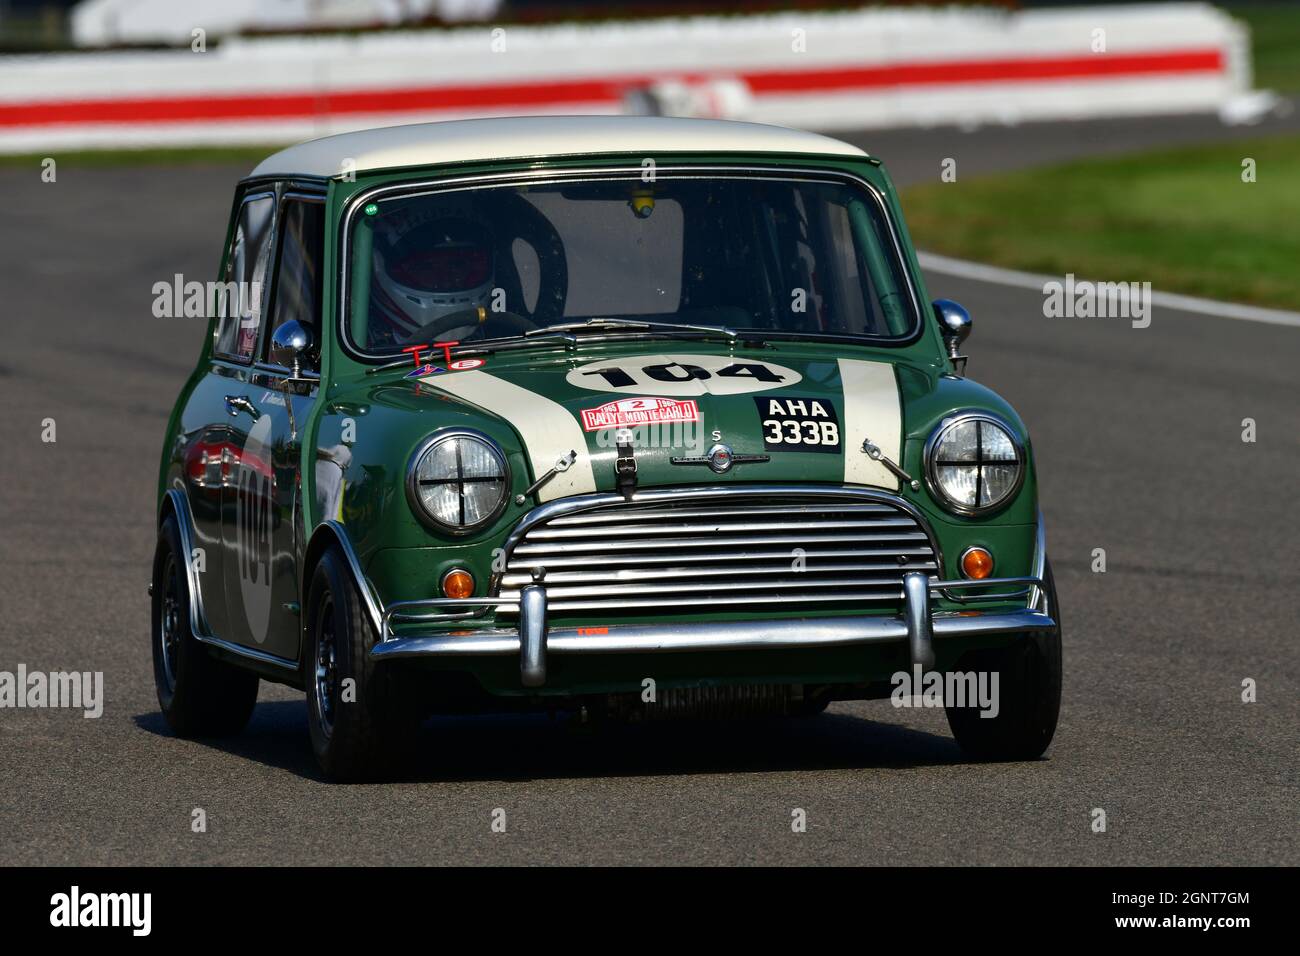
(457, 481)
(973, 463)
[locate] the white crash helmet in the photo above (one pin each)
(434, 269)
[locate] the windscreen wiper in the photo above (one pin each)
(601, 324)
(567, 333)
(461, 349)
(466, 349)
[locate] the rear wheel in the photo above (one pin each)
(1029, 694)
(200, 696)
(361, 720)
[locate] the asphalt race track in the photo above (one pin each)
(1137, 433)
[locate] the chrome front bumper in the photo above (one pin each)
(533, 640)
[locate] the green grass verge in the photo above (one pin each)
(1274, 42)
(248, 156)
(1180, 219)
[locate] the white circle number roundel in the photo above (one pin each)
(254, 515)
(677, 375)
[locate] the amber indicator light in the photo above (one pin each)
(458, 583)
(977, 564)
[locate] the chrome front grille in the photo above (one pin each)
(733, 547)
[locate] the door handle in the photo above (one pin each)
(240, 403)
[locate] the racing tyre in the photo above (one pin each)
(1029, 694)
(361, 720)
(200, 695)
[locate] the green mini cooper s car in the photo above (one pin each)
(630, 416)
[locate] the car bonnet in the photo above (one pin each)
(689, 413)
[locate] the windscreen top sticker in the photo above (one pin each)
(798, 424)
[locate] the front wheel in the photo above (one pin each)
(1029, 694)
(199, 695)
(359, 718)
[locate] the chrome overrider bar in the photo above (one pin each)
(533, 641)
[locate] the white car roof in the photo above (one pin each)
(527, 137)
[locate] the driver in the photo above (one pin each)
(430, 271)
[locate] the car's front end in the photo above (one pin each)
(773, 485)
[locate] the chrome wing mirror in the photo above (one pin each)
(954, 325)
(292, 346)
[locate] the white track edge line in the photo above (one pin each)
(996, 275)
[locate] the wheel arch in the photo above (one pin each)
(329, 534)
(174, 504)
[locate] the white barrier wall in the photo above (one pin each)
(860, 69)
(108, 22)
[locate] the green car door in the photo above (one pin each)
(262, 535)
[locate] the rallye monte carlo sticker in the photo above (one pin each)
(677, 375)
(631, 412)
(798, 424)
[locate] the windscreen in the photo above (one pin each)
(764, 254)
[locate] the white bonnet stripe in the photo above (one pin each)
(871, 410)
(548, 429)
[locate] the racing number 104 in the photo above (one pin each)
(678, 372)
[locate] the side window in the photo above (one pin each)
(240, 298)
(298, 274)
